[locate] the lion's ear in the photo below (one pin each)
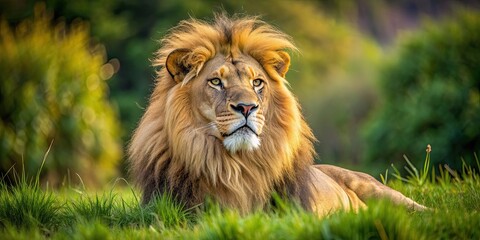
(282, 63)
(177, 64)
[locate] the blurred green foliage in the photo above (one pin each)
(431, 91)
(54, 92)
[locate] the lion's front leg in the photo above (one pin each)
(361, 187)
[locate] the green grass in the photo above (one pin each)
(30, 212)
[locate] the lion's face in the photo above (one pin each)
(228, 94)
(228, 99)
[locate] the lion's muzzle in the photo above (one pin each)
(243, 128)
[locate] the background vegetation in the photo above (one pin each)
(431, 92)
(53, 93)
(346, 77)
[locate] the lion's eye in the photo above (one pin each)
(257, 83)
(215, 82)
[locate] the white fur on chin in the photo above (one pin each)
(241, 141)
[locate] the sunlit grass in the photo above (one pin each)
(30, 212)
(26, 206)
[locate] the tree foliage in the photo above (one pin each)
(431, 96)
(53, 92)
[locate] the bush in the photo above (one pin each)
(431, 96)
(53, 90)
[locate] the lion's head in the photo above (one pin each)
(221, 121)
(228, 97)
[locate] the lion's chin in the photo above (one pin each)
(242, 139)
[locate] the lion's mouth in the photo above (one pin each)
(245, 129)
(243, 138)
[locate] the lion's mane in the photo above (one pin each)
(168, 155)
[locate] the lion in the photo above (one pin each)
(222, 124)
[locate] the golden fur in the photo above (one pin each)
(180, 146)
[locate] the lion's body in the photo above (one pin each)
(222, 123)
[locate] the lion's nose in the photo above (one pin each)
(244, 109)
